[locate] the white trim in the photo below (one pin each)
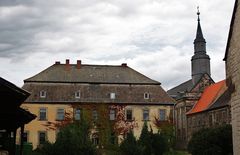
(43, 94)
(112, 95)
(78, 94)
(146, 95)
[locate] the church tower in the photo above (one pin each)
(200, 60)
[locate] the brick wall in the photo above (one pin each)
(233, 76)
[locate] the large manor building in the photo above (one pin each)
(80, 89)
(200, 102)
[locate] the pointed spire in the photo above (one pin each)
(200, 59)
(198, 13)
(199, 35)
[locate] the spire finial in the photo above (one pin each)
(198, 13)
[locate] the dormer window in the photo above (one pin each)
(146, 95)
(43, 94)
(112, 95)
(77, 94)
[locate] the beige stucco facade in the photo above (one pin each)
(37, 125)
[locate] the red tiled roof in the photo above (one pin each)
(208, 97)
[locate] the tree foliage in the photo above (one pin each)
(149, 143)
(73, 139)
(129, 146)
(167, 129)
(159, 144)
(145, 140)
(214, 141)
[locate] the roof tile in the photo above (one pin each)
(209, 95)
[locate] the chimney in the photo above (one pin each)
(124, 64)
(79, 62)
(67, 64)
(57, 62)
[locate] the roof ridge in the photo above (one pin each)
(93, 65)
(86, 73)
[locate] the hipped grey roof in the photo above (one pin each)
(97, 93)
(70, 73)
(95, 83)
(183, 87)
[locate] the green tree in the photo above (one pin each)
(145, 140)
(159, 144)
(215, 141)
(73, 139)
(166, 128)
(129, 146)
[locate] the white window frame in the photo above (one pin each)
(57, 115)
(146, 119)
(43, 94)
(46, 137)
(112, 95)
(94, 114)
(40, 110)
(75, 114)
(131, 114)
(165, 114)
(146, 95)
(112, 114)
(78, 94)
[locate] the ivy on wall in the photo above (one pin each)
(105, 130)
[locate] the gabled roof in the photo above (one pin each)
(11, 115)
(210, 94)
(11, 93)
(183, 87)
(222, 101)
(203, 78)
(106, 74)
(231, 29)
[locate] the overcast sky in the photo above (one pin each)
(154, 37)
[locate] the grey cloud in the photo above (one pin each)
(154, 37)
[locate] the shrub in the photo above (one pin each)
(149, 143)
(215, 141)
(145, 140)
(73, 139)
(129, 146)
(159, 144)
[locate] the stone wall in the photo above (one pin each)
(233, 76)
(207, 119)
(181, 108)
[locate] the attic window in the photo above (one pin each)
(77, 94)
(43, 94)
(146, 95)
(112, 95)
